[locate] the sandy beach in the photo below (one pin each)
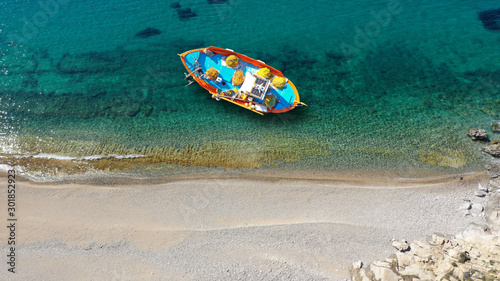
(224, 229)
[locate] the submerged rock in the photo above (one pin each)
(490, 19)
(336, 58)
(175, 5)
(493, 149)
(477, 134)
(185, 13)
(493, 171)
(148, 32)
(495, 128)
(90, 63)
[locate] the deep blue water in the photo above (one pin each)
(391, 85)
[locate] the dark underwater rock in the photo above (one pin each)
(175, 5)
(217, 1)
(148, 32)
(185, 13)
(490, 19)
(90, 63)
(337, 58)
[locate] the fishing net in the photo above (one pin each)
(279, 82)
(232, 61)
(270, 101)
(265, 73)
(238, 78)
(212, 73)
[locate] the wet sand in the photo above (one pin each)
(225, 229)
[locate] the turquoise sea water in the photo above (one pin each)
(391, 85)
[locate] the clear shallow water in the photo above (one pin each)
(80, 93)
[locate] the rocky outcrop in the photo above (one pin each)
(493, 149)
(477, 134)
(473, 254)
(496, 127)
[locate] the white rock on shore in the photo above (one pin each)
(401, 246)
(479, 193)
(482, 188)
(466, 206)
(473, 254)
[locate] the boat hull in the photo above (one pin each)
(198, 61)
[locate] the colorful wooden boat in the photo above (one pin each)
(241, 80)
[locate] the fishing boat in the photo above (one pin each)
(241, 80)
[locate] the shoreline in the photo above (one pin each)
(358, 177)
